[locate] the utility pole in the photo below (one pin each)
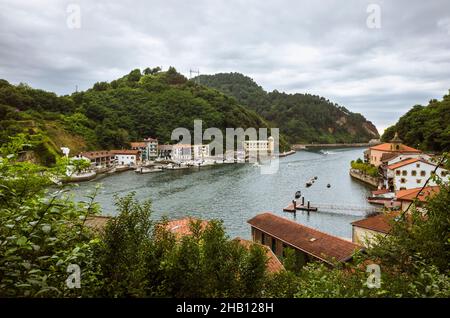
(191, 71)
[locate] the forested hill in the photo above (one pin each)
(109, 115)
(425, 127)
(302, 118)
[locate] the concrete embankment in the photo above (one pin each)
(304, 146)
(364, 178)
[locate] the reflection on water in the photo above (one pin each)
(235, 193)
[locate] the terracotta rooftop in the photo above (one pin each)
(387, 147)
(381, 191)
(318, 244)
(378, 223)
(273, 263)
(125, 152)
(96, 154)
(138, 144)
(411, 194)
(182, 227)
(407, 161)
(97, 222)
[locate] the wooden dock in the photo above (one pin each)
(303, 207)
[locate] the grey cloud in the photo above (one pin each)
(295, 46)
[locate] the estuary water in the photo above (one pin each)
(237, 192)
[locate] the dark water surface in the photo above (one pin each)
(235, 193)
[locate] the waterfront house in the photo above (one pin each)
(152, 147)
(181, 152)
(280, 233)
(148, 148)
(126, 157)
(259, 148)
(200, 152)
(376, 154)
(417, 195)
(411, 173)
(364, 231)
(98, 159)
(165, 151)
(273, 265)
(141, 147)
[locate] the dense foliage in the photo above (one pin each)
(424, 127)
(303, 118)
(43, 232)
(110, 115)
(365, 168)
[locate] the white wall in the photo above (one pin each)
(126, 160)
(418, 180)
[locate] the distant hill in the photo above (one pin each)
(110, 115)
(302, 118)
(425, 127)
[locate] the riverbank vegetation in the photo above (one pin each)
(43, 232)
(364, 168)
(151, 103)
(424, 127)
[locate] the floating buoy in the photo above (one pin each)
(315, 178)
(298, 194)
(328, 185)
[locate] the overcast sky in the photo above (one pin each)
(318, 47)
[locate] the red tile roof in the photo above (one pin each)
(411, 194)
(97, 154)
(182, 227)
(138, 144)
(378, 223)
(97, 222)
(387, 147)
(381, 191)
(407, 161)
(318, 244)
(273, 263)
(125, 152)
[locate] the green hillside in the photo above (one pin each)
(303, 118)
(425, 127)
(110, 115)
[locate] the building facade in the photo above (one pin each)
(412, 173)
(126, 157)
(376, 154)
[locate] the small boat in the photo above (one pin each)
(298, 194)
(147, 170)
(308, 184)
(315, 178)
(328, 185)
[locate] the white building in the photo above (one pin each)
(259, 147)
(126, 157)
(181, 152)
(152, 147)
(200, 152)
(412, 173)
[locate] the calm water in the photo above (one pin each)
(235, 193)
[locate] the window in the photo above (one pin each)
(284, 249)
(263, 238)
(402, 188)
(274, 245)
(419, 180)
(414, 173)
(402, 180)
(417, 165)
(443, 173)
(422, 173)
(404, 173)
(397, 172)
